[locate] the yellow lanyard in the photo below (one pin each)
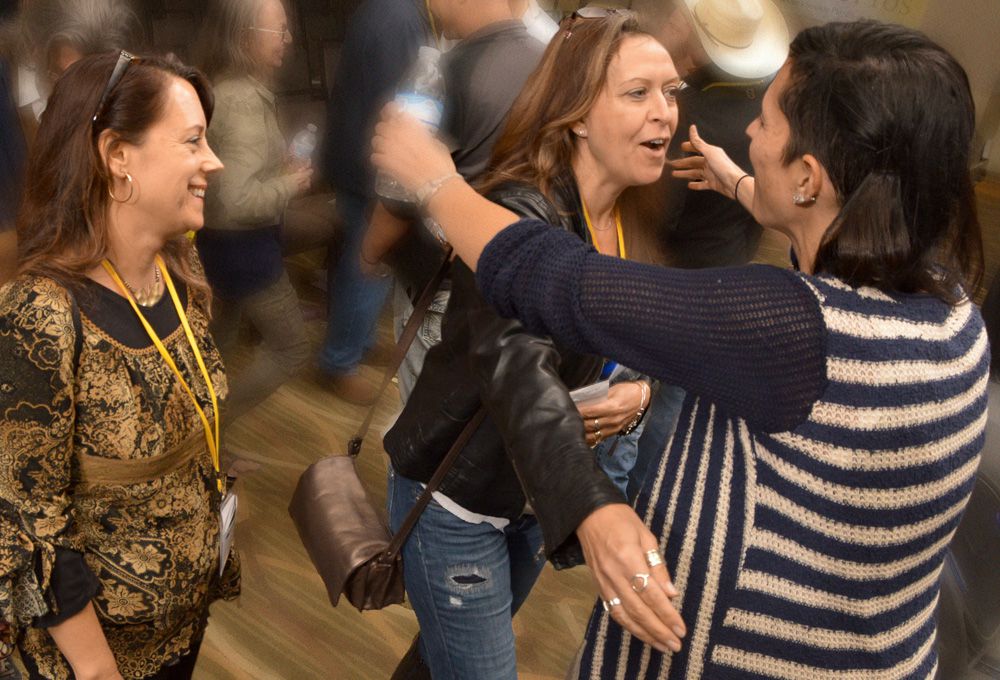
(211, 438)
(593, 234)
(430, 17)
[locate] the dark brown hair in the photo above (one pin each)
(890, 115)
(62, 224)
(536, 146)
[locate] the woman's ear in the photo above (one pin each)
(811, 181)
(114, 153)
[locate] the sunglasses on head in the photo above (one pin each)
(590, 12)
(124, 60)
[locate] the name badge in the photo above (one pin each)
(227, 528)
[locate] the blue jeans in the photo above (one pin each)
(658, 426)
(465, 583)
(355, 300)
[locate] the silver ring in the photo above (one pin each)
(597, 424)
(654, 558)
(610, 604)
(643, 579)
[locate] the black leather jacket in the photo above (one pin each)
(522, 379)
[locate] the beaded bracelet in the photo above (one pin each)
(630, 428)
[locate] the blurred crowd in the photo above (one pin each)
(632, 411)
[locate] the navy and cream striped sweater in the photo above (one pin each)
(820, 466)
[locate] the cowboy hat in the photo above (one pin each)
(745, 38)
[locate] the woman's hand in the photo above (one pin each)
(615, 545)
(406, 150)
(607, 418)
(302, 179)
(710, 169)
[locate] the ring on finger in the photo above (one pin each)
(610, 604)
(654, 558)
(639, 582)
(597, 424)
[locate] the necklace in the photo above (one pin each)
(609, 225)
(616, 221)
(150, 294)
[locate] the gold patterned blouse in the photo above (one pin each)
(102, 454)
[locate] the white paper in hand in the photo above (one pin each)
(591, 393)
(227, 528)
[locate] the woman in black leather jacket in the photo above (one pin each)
(593, 120)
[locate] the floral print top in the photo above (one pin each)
(107, 489)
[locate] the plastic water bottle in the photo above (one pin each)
(423, 98)
(302, 146)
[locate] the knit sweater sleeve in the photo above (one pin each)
(749, 339)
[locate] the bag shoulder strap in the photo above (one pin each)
(399, 352)
(402, 347)
(399, 538)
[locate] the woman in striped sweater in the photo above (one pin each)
(835, 414)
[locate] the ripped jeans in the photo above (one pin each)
(465, 583)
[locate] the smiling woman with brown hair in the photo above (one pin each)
(834, 415)
(110, 383)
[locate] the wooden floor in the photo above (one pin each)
(283, 627)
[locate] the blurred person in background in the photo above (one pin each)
(242, 46)
(381, 43)
(57, 33)
(110, 487)
(38, 45)
(12, 158)
(483, 74)
(726, 67)
(540, 25)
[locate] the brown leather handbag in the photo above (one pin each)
(348, 543)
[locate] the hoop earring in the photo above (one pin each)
(131, 190)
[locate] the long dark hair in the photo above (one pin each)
(62, 229)
(890, 115)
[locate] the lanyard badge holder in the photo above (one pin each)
(228, 504)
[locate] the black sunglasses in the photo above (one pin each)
(124, 59)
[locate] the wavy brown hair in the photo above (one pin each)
(536, 146)
(62, 228)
